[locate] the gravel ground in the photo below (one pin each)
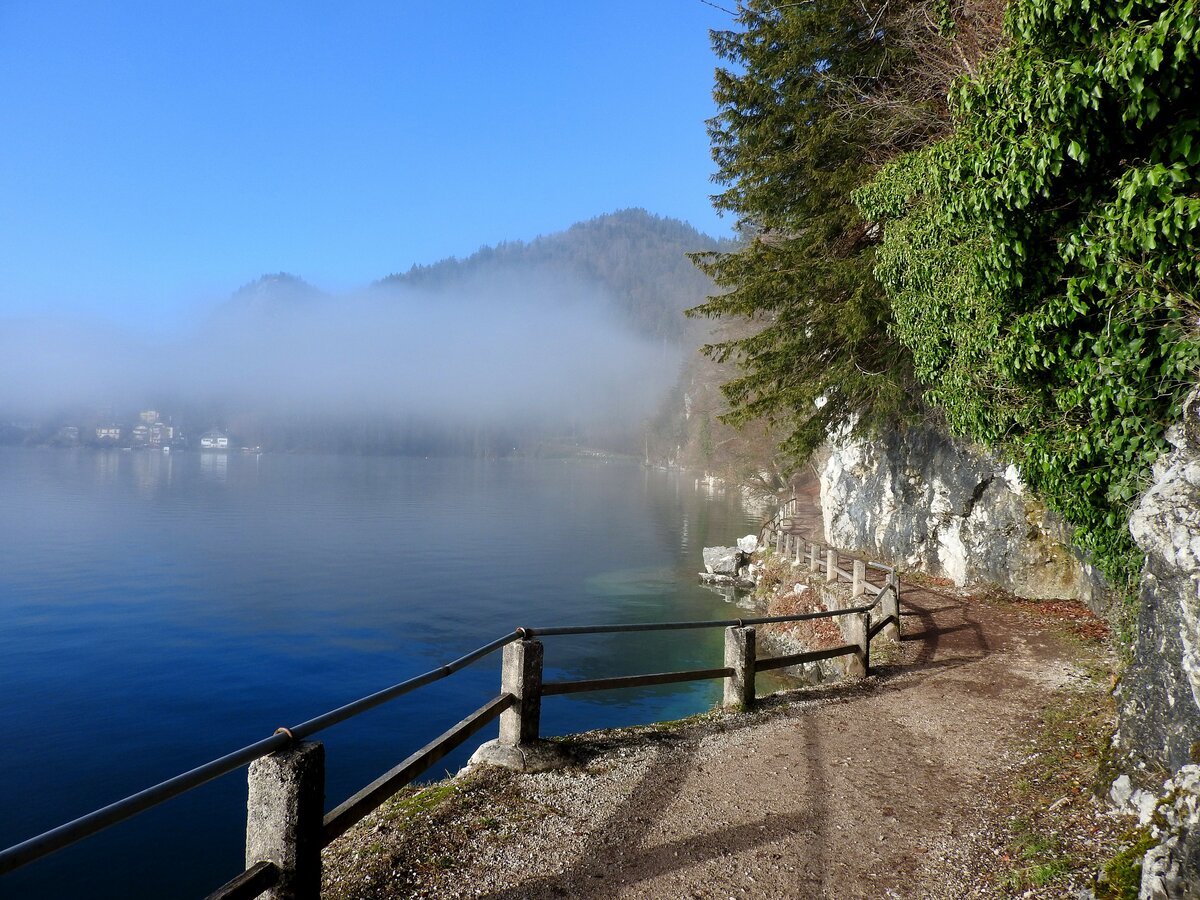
(896, 786)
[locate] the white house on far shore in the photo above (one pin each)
(214, 440)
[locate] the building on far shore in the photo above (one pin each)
(214, 440)
(161, 434)
(108, 434)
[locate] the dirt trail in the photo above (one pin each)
(859, 790)
(843, 798)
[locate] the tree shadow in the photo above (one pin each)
(616, 856)
(623, 851)
(939, 616)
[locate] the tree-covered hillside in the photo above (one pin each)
(639, 260)
(1042, 261)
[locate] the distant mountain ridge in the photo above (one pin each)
(638, 258)
(274, 294)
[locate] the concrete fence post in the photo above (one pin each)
(521, 676)
(831, 565)
(739, 656)
(284, 812)
(778, 541)
(814, 558)
(890, 607)
(854, 632)
(860, 579)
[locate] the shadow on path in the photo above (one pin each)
(616, 856)
(635, 845)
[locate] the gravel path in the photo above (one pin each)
(879, 788)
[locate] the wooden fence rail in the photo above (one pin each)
(286, 826)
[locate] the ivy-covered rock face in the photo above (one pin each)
(1042, 263)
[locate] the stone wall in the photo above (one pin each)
(930, 504)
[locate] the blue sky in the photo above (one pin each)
(156, 156)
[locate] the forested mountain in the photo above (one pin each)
(637, 259)
(277, 294)
(641, 264)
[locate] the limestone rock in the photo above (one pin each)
(543, 756)
(723, 583)
(928, 503)
(748, 544)
(1135, 801)
(1171, 869)
(723, 560)
(1160, 692)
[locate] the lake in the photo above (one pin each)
(162, 610)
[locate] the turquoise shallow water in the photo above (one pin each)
(160, 611)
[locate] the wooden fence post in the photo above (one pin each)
(284, 811)
(860, 579)
(521, 676)
(890, 606)
(831, 559)
(739, 656)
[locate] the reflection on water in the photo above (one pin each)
(108, 464)
(151, 471)
(214, 466)
(163, 609)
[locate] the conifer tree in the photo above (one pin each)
(819, 354)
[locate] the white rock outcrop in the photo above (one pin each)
(935, 505)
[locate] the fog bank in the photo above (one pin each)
(518, 351)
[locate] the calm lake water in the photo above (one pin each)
(160, 611)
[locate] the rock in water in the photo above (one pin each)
(748, 544)
(722, 560)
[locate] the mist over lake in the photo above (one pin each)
(573, 338)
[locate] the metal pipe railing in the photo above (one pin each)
(681, 626)
(785, 510)
(74, 831)
(85, 826)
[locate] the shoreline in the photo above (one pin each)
(763, 804)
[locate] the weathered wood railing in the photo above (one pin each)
(779, 522)
(286, 826)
